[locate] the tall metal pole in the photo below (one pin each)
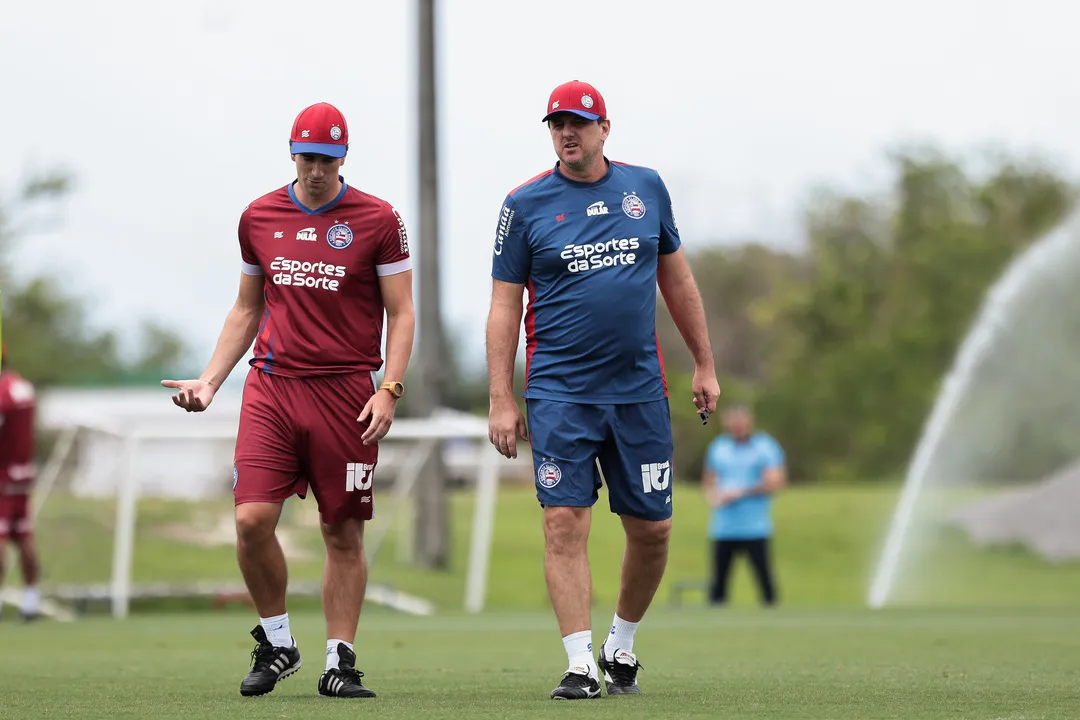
(431, 531)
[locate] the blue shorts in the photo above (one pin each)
(630, 444)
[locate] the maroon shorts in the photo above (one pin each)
(297, 433)
(15, 520)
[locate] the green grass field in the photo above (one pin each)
(996, 634)
(811, 665)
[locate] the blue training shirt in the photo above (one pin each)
(588, 253)
(741, 465)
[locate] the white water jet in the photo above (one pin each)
(998, 312)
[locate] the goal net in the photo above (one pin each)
(134, 505)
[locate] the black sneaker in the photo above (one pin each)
(344, 680)
(577, 684)
(268, 665)
(620, 675)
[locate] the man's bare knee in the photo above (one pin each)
(647, 533)
(566, 528)
(345, 539)
(256, 522)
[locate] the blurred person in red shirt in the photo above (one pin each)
(18, 408)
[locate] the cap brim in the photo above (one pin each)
(579, 113)
(328, 149)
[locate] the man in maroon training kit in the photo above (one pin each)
(320, 262)
(18, 406)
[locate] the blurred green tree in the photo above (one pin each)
(47, 331)
(859, 349)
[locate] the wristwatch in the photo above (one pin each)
(395, 388)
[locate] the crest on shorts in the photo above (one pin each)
(339, 237)
(548, 474)
(235, 476)
(633, 206)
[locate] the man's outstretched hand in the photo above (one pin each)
(192, 395)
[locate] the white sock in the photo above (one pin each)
(621, 637)
(332, 658)
(31, 597)
(277, 630)
(579, 651)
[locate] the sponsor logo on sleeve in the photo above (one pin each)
(505, 220)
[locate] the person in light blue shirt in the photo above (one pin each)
(743, 468)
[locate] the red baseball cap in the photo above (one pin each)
(577, 97)
(320, 129)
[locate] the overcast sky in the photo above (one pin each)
(173, 116)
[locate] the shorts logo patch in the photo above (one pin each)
(548, 474)
(235, 477)
(359, 476)
(655, 476)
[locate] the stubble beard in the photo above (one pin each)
(583, 163)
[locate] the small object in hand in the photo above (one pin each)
(704, 415)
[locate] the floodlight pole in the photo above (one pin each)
(426, 390)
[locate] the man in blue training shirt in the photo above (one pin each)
(591, 239)
(742, 470)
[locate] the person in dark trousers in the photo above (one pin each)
(743, 468)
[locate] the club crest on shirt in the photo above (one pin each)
(633, 206)
(340, 236)
(548, 474)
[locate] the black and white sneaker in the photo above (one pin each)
(268, 665)
(577, 684)
(620, 674)
(344, 680)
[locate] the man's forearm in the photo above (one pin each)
(502, 337)
(770, 483)
(762, 488)
(236, 337)
(684, 303)
(400, 331)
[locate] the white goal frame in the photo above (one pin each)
(425, 433)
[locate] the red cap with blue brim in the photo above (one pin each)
(320, 129)
(579, 98)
